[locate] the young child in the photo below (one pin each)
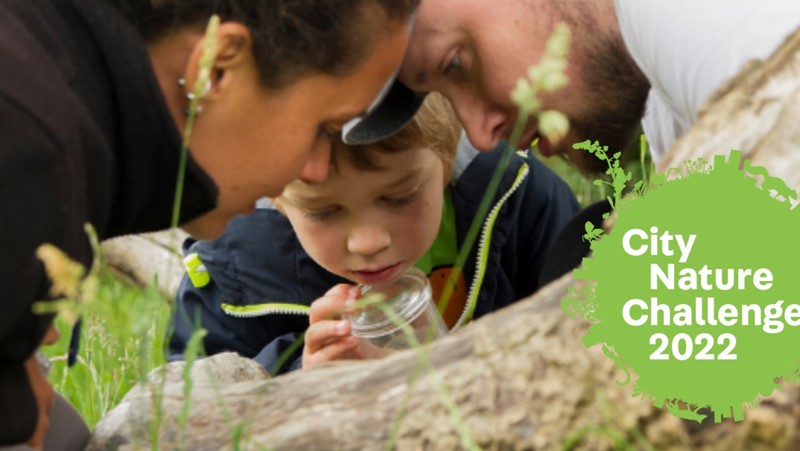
(405, 201)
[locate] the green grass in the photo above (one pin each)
(121, 341)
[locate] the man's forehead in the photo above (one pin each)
(420, 78)
(420, 55)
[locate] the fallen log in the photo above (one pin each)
(520, 379)
(757, 112)
(137, 258)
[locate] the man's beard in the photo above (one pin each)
(616, 92)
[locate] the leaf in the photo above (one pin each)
(64, 272)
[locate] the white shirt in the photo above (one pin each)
(689, 48)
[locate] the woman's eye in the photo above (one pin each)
(453, 65)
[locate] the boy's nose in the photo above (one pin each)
(368, 239)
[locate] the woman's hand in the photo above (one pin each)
(329, 336)
(42, 391)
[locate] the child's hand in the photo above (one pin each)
(328, 336)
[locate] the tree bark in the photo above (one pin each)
(137, 258)
(521, 378)
(757, 112)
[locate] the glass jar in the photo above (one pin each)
(410, 298)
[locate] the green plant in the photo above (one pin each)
(121, 341)
(635, 159)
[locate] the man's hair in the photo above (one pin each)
(291, 38)
(435, 126)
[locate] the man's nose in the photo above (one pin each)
(484, 123)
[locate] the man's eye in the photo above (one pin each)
(453, 65)
(328, 131)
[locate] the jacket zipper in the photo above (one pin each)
(483, 245)
(270, 308)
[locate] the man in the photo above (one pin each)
(656, 61)
(630, 60)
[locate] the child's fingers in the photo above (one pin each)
(319, 334)
(353, 354)
(334, 350)
(332, 304)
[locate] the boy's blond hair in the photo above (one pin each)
(434, 126)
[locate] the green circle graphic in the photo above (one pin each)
(696, 290)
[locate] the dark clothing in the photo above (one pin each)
(262, 282)
(67, 431)
(85, 136)
(570, 248)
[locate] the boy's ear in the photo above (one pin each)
(234, 53)
(447, 167)
(277, 202)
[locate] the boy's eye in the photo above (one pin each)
(453, 65)
(399, 201)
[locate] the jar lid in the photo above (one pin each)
(407, 296)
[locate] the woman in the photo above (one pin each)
(92, 102)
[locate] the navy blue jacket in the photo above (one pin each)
(262, 281)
